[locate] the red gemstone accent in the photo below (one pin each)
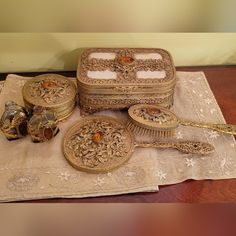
(97, 137)
(124, 60)
(49, 84)
(153, 111)
(48, 133)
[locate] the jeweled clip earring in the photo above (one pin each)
(14, 120)
(42, 126)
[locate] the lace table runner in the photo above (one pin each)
(36, 171)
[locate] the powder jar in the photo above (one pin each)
(51, 91)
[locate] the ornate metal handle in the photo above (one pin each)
(222, 128)
(190, 147)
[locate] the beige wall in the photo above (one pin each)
(22, 52)
(117, 15)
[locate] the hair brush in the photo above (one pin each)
(155, 121)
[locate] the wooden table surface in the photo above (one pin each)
(222, 80)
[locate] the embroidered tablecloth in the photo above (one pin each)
(36, 171)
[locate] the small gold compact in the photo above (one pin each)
(98, 144)
(51, 91)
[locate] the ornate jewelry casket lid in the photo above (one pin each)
(132, 70)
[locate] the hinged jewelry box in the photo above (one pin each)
(117, 78)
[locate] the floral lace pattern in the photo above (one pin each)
(29, 171)
(22, 182)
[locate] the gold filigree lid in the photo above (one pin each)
(111, 69)
(49, 91)
(98, 144)
(153, 117)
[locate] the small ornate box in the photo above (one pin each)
(116, 78)
(51, 91)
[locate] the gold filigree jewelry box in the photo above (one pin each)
(51, 91)
(116, 78)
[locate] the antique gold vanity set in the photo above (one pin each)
(53, 92)
(141, 81)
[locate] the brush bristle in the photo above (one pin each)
(149, 132)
